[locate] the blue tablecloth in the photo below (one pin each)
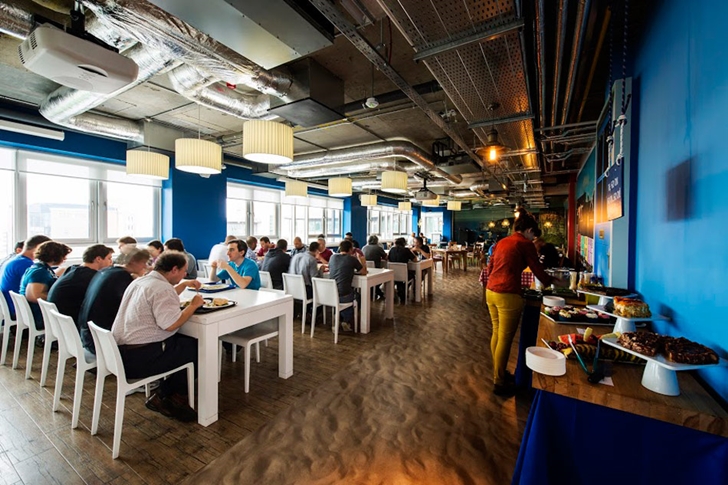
(567, 442)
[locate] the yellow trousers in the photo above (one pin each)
(505, 314)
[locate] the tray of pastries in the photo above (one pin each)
(663, 348)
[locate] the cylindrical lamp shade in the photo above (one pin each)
(197, 156)
(368, 200)
(143, 163)
(395, 182)
(454, 205)
(295, 188)
(432, 203)
(405, 206)
(267, 142)
(340, 187)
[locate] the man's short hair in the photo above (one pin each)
(265, 239)
(345, 246)
(19, 245)
(420, 240)
(373, 240)
(126, 240)
(35, 241)
(169, 260)
(96, 251)
(251, 240)
(282, 244)
(229, 238)
(399, 242)
(320, 236)
(52, 252)
(313, 247)
(156, 244)
(175, 244)
(139, 256)
(240, 244)
(348, 234)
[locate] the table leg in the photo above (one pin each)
(285, 343)
(464, 257)
(364, 312)
(445, 262)
(389, 304)
(418, 285)
(430, 274)
(207, 362)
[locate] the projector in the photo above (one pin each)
(75, 62)
(425, 194)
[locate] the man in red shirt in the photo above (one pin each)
(325, 253)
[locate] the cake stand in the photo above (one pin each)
(603, 299)
(660, 374)
(625, 324)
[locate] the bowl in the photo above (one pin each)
(546, 361)
(554, 301)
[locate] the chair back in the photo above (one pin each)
(265, 281)
(207, 268)
(67, 334)
(108, 357)
(400, 271)
(51, 327)
(23, 315)
(370, 264)
(294, 285)
(5, 310)
(325, 292)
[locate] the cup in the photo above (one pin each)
(573, 280)
(539, 285)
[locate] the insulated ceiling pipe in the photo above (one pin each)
(373, 166)
(388, 149)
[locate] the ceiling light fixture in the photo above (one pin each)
(505, 223)
(493, 146)
(32, 130)
(340, 187)
(432, 202)
(267, 142)
(454, 205)
(394, 181)
(195, 155)
(145, 163)
(296, 188)
(368, 200)
(405, 206)
(491, 224)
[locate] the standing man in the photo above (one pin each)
(104, 295)
(324, 252)
(242, 271)
(219, 250)
(306, 264)
(276, 262)
(298, 246)
(146, 331)
(176, 244)
(251, 242)
(342, 267)
(411, 240)
(14, 269)
(69, 291)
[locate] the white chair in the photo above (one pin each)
(24, 319)
(265, 281)
(370, 264)
(202, 265)
(9, 323)
(326, 293)
(51, 336)
(246, 338)
(69, 345)
(294, 285)
(208, 270)
(108, 360)
(401, 275)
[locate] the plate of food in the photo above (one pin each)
(211, 304)
(570, 314)
(213, 287)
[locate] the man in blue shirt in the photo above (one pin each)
(14, 269)
(242, 271)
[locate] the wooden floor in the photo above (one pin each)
(409, 402)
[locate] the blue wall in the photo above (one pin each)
(682, 175)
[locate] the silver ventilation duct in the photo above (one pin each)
(412, 183)
(389, 149)
(157, 29)
(333, 171)
(205, 90)
(15, 21)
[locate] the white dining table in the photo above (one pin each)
(374, 277)
(419, 267)
(252, 307)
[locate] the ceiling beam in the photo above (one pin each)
(481, 33)
(500, 121)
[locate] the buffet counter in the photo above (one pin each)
(579, 432)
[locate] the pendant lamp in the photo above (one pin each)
(144, 163)
(340, 187)
(198, 156)
(267, 142)
(405, 206)
(394, 181)
(454, 205)
(368, 200)
(296, 188)
(432, 202)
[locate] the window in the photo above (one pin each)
(130, 209)
(315, 221)
(432, 224)
(389, 223)
(264, 219)
(7, 196)
(333, 223)
(59, 207)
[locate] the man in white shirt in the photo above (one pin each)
(219, 250)
(252, 243)
(146, 327)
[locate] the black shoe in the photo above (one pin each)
(506, 390)
(181, 410)
(160, 405)
(510, 378)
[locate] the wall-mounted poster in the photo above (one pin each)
(585, 184)
(614, 192)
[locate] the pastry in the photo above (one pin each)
(219, 302)
(686, 351)
(631, 308)
(646, 343)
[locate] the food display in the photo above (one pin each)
(571, 314)
(675, 349)
(586, 345)
(604, 290)
(631, 308)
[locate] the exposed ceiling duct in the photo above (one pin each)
(336, 170)
(388, 149)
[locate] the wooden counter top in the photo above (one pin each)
(693, 408)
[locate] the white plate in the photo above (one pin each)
(659, 359)
(600, 308)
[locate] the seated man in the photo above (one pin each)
(400, 254)
(126, 245)
(242, 271)
(350, 237)
(306, 264)
(374, 252)
(252, 243)
(324, 252)
(342, 267)
(298, 246)
(146, 331)
(103, 296)
(265, 246)
(176, 244)
(18, 249)
(14, 269)
(421, 250)
(69, 291)
(276, 262)
(40, 277)
(219, 250)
